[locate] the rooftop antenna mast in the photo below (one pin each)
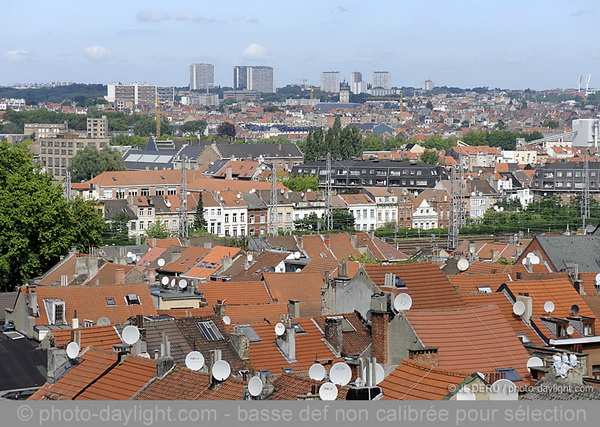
(579, 84)
(457, 196)
(329, 190)
(274, 218)
(461, 193)
(587, 84)
(68, 187)
(184, 225)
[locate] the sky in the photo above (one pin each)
(512, 44)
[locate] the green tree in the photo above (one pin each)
(146, 126)
(116, 232)
(38, 224)
(552, 124)
(301, 182)
(311, 222)
(193, 127)
(199, 220)
(226, 129)
(157, 230)
(429, 105)
(343, 220)
(90, 162)
(430, 157)
(128, 140)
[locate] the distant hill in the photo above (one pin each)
(55, 94)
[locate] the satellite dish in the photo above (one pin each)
(279, 329)
(194, 360)
(534, 259)
(255, 386)
(130, 255)
(183, 284)
(503, 390)
(549, 307)
(462, 264)
(72, 350)
(328, 391)
(379, 373)
(575, 309)
(340, 373)
(164, 280)
(130, 260)
(130, 335)
(402, 302)
(519, 308)
(317, 372)
(103, 321)
(138, 258)
(173, 283)
(465, 393)
(161, 262)
(297, 255)
(570, 330)
(597, 280)
(390, 370)
(534, 362)
(221, 370)
(526, 261)
(227, 320)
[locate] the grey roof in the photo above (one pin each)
(229, 150)
(7, 300)
(23, 365)
(254, 201)
(552, 389)
(215, 167)
(564, 251)
(114, 207)
(179, 345)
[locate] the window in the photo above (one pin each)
(226, 218)
(59, 313)
(145, 192)
(110, 301)
(141, 225)
(250, 333)
(210, 331)
(233, 217)
(596, 371)
(171, 191)
(298, 328)
(132, 299)
(509, 373)
(242, 217)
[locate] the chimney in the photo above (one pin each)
(528, 301)
(328, 297)
(427, 356)
(353, 240)
(294, 308)
(75, 320)
(119, 276)
(32, 301)
(241, 344)
(287, 343)
(472, 250)
(228, 172)
(343, 268)
(227, 261)
(495, 254)
(300, 241)
(334, 334)
(154, 242)
(219, 308)
(165, 362)
(64, 280)
(380, 320)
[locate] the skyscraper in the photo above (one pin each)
(382, 79)
(356, 83)
(202, 76)
(257, 78)
(428, 85)
(330, 81)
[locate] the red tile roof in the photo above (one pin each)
(189, 257)
(290, 386)
(299, 286)
(212, 259)
(235, 292)
(472, 339)
(415, 381)
(231, 389)
(100, 337)
(178, 384)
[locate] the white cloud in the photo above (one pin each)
(16, 55)
(152, 16)
(255, 51)
(96, 53)
(189, 16)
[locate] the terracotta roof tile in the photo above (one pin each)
(235, 292)
(163, 243)
(64, 267)
(100, 337)
(231, 389)
(354, 342)
(472, 339)
(145, 177)
(290, 386)
(213, 259)
(108, 274)
(189, 257)
(428, 286)
(415, 381)
(299, 286)
(178, 384)
(256, 313)
(150, 256)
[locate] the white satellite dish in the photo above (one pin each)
(255, 386)
(172, 283)
(183, 284)
(194, 360)
(526, 261)
(130, 260)
(402, 302)
(130, 335)
(221, 370)
(597, 280)
(328, 391)
(534, 362)
(465, 393)
(161, 262)
(340, 373)
(317, 372)
(164, 280)
(138, 258)
(503, 390)
(379, 373)
(534, 259)
(570, 330)
(72, 350)
(130, 255)
(227, 320)
(103, 321)
(462, 264)
(390, 370)
(279, 329)
(519, 308)
(549, 307)
(297, 255)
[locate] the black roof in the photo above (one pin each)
(23, 365)
(565, 251)
(383, 163)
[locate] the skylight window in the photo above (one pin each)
(299, 329)
(484, 289)
(210, 331)
(509, 373)
(250, 333)
(132, 299)
(110, 301)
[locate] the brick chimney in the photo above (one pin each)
(241, 344)
(219, 308)
(119, 276)
(380, 321)
(427, 356)
(334, 334)
(228, 172)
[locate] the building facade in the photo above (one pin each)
(330, 81)
(382, 79)
(202, 76)
(255, 78)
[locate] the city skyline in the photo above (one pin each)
(515, 46)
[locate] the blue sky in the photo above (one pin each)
(517, 44)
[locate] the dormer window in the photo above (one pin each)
(55, 310)
(132, 299)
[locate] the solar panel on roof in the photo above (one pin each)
(133, 157)
(210, 331)
(147, 158)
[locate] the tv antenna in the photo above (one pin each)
(184, 225)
